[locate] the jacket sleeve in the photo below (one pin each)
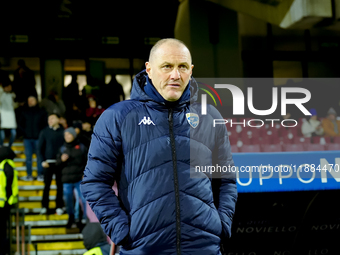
(100, 173)
(41, 145)
(224, 188)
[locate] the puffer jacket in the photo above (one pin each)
(151, 151)
(72, 168)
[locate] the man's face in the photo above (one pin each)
(68, 137)
(331, 116)
(170, 70)
(32, 101)
(53, 120)
(8, 88)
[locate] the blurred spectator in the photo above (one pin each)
(84, 132)
(32, 121)
(111, 93)
(93, 87)
(95, 239)
(71, 92)
(8, 195)
(94, 111)
(53, 104)
(7, 114)
(330, 124)
(24, 83)
(50, 140)
(312, 127)
(74, 114)
(72, 160)
(4, 77)
(63, 122)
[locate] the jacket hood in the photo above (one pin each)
(6, 153)
(93, 234)
(138, 93)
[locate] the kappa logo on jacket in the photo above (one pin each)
(146, 121)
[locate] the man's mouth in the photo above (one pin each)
(176, 85)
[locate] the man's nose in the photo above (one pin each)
(175, 74)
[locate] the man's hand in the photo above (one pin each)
(45, 164)
(64, 157)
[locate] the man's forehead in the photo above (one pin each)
(172, 52)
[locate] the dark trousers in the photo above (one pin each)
(48, 174)
(4, 227)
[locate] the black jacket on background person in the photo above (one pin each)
(73, 167)
(32, 121)
(50, 141)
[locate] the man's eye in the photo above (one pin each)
(183, 67)
(167, 66)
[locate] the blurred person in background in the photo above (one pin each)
(7, 114)
(53, 104)
(4, 77)
(71, 159)
(84, 132)
(111, 93)
(95, 240)
(330, 124)
(32, 121)
(312, 127)
(94, 110)
(50, 140)
(8, 195)
(24, 83)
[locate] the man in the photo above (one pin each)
(71, 160)
(7, 114)
(330, 124)
(23, 83)
(31, 122)
(147, 145)
(312, 127)
(50, 140)
(8, 195)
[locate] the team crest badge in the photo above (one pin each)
(193, 119)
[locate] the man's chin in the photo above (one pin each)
(173, 99)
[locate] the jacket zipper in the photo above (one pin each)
(174, 162)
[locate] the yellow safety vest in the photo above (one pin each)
(94, 251)
(3, 181)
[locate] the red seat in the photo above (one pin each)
(256, 140)
(233, 140)
(250, 148)
(276, 140)
(303, 140)
(254, 131)
(293, 147)
(234, 148)
(266, 140)
(333, 146)
(336, 139)
(287, 140)
(316, 139)
(314, 147)
(271, 147)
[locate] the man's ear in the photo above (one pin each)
(148, 69)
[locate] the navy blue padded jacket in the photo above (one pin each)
(150, 149)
